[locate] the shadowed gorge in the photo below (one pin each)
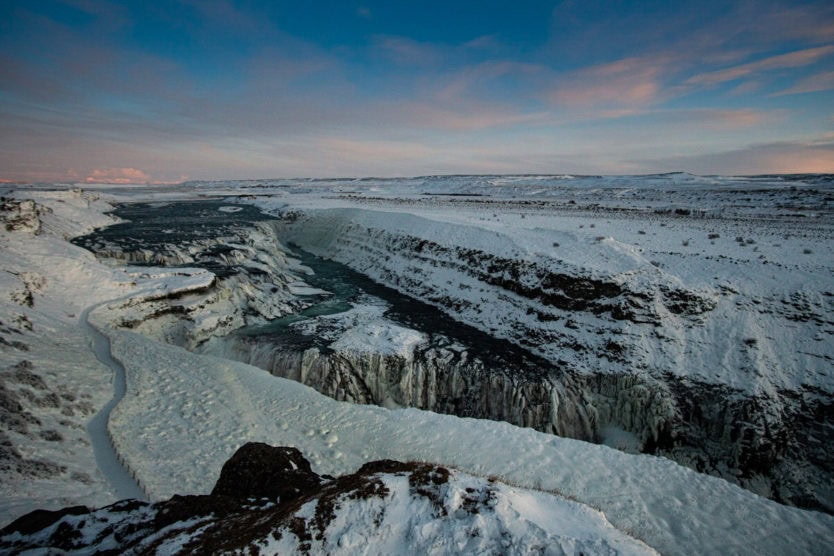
(453, 367)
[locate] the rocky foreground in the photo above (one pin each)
(269, 500)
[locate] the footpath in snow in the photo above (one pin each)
(108, 459)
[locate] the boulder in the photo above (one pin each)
(258, 470)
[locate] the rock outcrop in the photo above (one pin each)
(268, 500)
(21, 216)
(258, 470)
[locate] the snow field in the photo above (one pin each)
(184, 414)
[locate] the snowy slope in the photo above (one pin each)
(701, 320)
(51, 382)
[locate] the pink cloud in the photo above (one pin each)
(626, 82)
(118, 176)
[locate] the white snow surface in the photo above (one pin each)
(185, 414)
(364, 329)
(62, 281)
(510, 521)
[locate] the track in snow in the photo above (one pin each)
(107, 458)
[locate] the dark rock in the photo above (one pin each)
(236, 517)
(40, 519)
(262, 471)
(183, 508)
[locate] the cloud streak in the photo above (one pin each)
(626, 82)
(823, 81)
(795, 59)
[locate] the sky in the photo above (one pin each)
(165, 91)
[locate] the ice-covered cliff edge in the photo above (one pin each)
(589, 301)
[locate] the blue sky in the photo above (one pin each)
(93, 90)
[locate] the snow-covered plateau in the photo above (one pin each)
(554, 333)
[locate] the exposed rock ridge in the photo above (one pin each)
(268, 500)
(22, 216)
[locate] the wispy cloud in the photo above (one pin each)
(472, 116)
(111, 16)
(625, 82)
(408, 52)
(822, 81)
(476, 81)
(227, 16)
(788, 21)
(794, 59)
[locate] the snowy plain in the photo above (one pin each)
(184, 414)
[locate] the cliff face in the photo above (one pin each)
(621, 314)
(707, 376)
(435, 376)
(769, 445)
